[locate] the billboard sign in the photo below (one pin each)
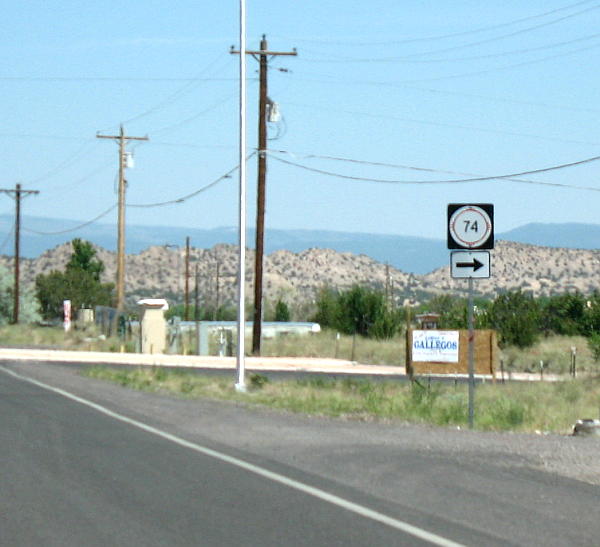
(435, 346)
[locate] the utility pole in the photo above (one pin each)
(186, 310)
(263, 58)
(122, 139)
(18, 192)
(217, 288)
(197, 295)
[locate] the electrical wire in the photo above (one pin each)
(173, 97)
(445, 36)
(509, 176)
(80, 180)
(38, 136)
(7, 238)
(461, 75)
(194, 117)
(502, 37)
(73, 158)
(409, 59)
(450, 125)
(65, 79)
(182, 199)
(103, 214)
(502, 99)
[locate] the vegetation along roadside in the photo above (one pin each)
(548, 407)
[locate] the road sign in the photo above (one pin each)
(473, 264)
(470, 226)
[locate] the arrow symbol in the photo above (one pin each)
(475, 264)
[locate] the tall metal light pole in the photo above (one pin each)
(240, 384)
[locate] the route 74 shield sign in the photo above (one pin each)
(470, 226)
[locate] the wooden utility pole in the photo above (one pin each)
(197, 295)
(262, 56)
(186, 309)
(217, 288)
(18, 192)
(122, 139)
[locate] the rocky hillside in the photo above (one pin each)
(160, 272)
(539, 270)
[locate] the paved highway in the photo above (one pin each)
(88, 463)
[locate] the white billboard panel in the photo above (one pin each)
(435, 346)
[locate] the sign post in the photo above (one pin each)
(470, 228)
(67, 315)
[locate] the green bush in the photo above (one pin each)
(515, 316)
(594, 345)
(360, 310)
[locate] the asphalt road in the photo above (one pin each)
(142, 469)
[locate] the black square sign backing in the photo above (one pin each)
(470, 226)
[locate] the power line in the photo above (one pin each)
(454, 76)
(38, 136)
(445, 36)
(509, 176)
(193, 194)
(7, 238)
(74, 229)
(173, 97)
(409, 59)
(92, 79)
(80, 180)
(462, 74)
(73, 158)
(502, 37)
(450, 125)
(195, 116)
(426, 169)
(503, 99)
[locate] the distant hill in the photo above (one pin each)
(407, 253)
(570, 235)
(410, 254)
(298, 276)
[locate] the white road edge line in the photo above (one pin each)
(276, 477)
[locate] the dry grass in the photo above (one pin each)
(526, 407)
(87, 339)
(555, 352)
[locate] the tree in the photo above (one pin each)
(515, 316)
(359, 310)
(80, 283)
(28, 304)
(564, 314)
(84, 259)
(282, 311)
(592, 314)
(327, 308)
(452, 311)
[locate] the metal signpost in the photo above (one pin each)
(470, 228)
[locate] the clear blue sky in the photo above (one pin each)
(469, 87)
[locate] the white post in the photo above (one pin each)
(240, 384)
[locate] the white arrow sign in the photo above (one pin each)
(465, 264)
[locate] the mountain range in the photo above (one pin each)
(297, 278)
(411, 254)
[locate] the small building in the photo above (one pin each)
(428, 321)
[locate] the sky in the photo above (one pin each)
(384, 103)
